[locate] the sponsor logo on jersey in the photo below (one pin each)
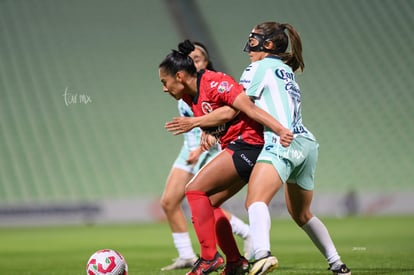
(217, 131)
(245, 81)
(283, 74)
(247, 160)
(293, 89)
(299, 129)
(213, 84)
(206, 107)
(224, 87)
(288, 153)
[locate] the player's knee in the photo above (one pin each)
(301, 218)
(166, 204)
(163, 204)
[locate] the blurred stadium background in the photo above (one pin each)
(82, 109)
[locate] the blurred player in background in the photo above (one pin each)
(190, 159)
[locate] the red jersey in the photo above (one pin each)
(214, 90)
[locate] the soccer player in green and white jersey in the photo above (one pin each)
(270, 82)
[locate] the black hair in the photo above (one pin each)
(179, 60)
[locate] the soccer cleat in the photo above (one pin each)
(180, 263)
(264, 265)
(240, 267)
(340, 270)
(248, 248)
(202, 267)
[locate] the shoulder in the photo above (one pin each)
(210, 76)
(249, 74)
(218, 81)
(252, 66)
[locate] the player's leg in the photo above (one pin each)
(299, 196)
(231, 169)
(298, 201)
(235, 262)
(241, 229)
(217, 176)
(264, 184)
(171, 200)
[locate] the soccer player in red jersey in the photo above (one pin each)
(242, 140)
(190, 159)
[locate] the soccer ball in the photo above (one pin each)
(106, 262)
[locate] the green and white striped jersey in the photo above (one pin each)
(272, 85)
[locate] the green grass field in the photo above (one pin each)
(369, 245)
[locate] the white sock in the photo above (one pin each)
(183, 245)
(259, 219)
(319, 235)
(239, 227)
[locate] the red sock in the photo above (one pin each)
(203, 221)
(225, 237)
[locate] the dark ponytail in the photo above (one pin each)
(179, 60)
(293, 58)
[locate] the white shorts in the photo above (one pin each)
(181, 160)
(294, 164)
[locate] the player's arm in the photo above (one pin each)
(217, 117)
(243, 103)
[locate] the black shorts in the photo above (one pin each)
(244, 157)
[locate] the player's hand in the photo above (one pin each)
(286, 137)
(180, 125)
(207, 141)
(194, 156)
